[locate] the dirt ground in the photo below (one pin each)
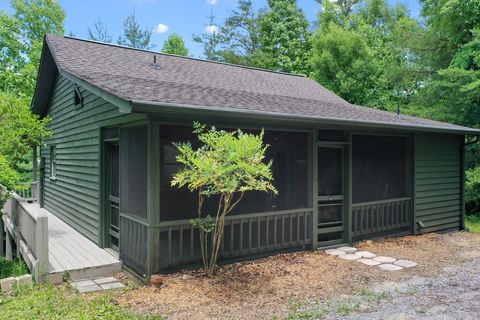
(274, 287)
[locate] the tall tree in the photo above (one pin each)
(345, 7)
(391, 67)
(21, 39)
(285, 39)
(210, 39)
(240, 35)
(175, 45)
(344, 63)
(133, 35)
(99, 32)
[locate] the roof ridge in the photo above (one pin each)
(182, 57)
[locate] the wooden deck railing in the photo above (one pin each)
(246, 234)
(381, 217)
(30, 192)
(29, 230)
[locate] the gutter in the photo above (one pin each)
(175, 108)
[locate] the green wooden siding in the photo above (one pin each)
(74, 194)
(438, 182)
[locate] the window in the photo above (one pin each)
(53, 162)
(78, 99)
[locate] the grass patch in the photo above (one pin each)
(62, 302)
(9, 268)
(472, 222)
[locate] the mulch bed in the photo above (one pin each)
(268, 287)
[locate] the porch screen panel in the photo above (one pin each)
(133, 171)
(288, 150)
(380, 168)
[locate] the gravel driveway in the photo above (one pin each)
(453, 294)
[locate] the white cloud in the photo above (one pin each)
(211, 29)
(212, 2)
(161, 28)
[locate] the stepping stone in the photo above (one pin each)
(389, 267)
(347, 249)
(349, 256)
(8, 284)
(103, 280)
(83, 283)
(384, 259)
(112, 285)
(369, 262)
(366, 254)
(334, 252)
(89, 288)
(405, 263)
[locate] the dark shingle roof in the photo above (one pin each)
(131, 75)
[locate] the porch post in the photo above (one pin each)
(34, 163)
(348, 189)
(153, 194)
(314, 147)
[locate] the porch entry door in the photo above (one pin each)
(331, 195)
(112, 194)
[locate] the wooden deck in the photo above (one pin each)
(72, 253)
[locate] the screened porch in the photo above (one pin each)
(334, 187)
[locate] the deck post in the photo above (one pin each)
(2, 230)
(8, 246)
(41, 247)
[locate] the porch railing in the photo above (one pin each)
(29, 230)
(30, 192)
(381, 217)
(246, 234)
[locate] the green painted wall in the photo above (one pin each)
(438, 182)
(74, 194)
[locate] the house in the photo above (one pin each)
(343, 172)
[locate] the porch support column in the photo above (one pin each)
(153, 195)
(314, 147)
(348, 190)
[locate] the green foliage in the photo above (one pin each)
(227, 162)
(285, 38)
(227, 165)
(61, 302)
(99, 32)
(472, 191)
(344, 63)
(21, 38)
(384, 71)
(451, 22)
(133, 35)
(12, 268)
(20, 130)
(175, 45)
(240, 36)
(472, 222)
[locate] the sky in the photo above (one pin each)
(185, 17)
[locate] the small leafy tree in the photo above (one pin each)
(225, 166)
(20, 130)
